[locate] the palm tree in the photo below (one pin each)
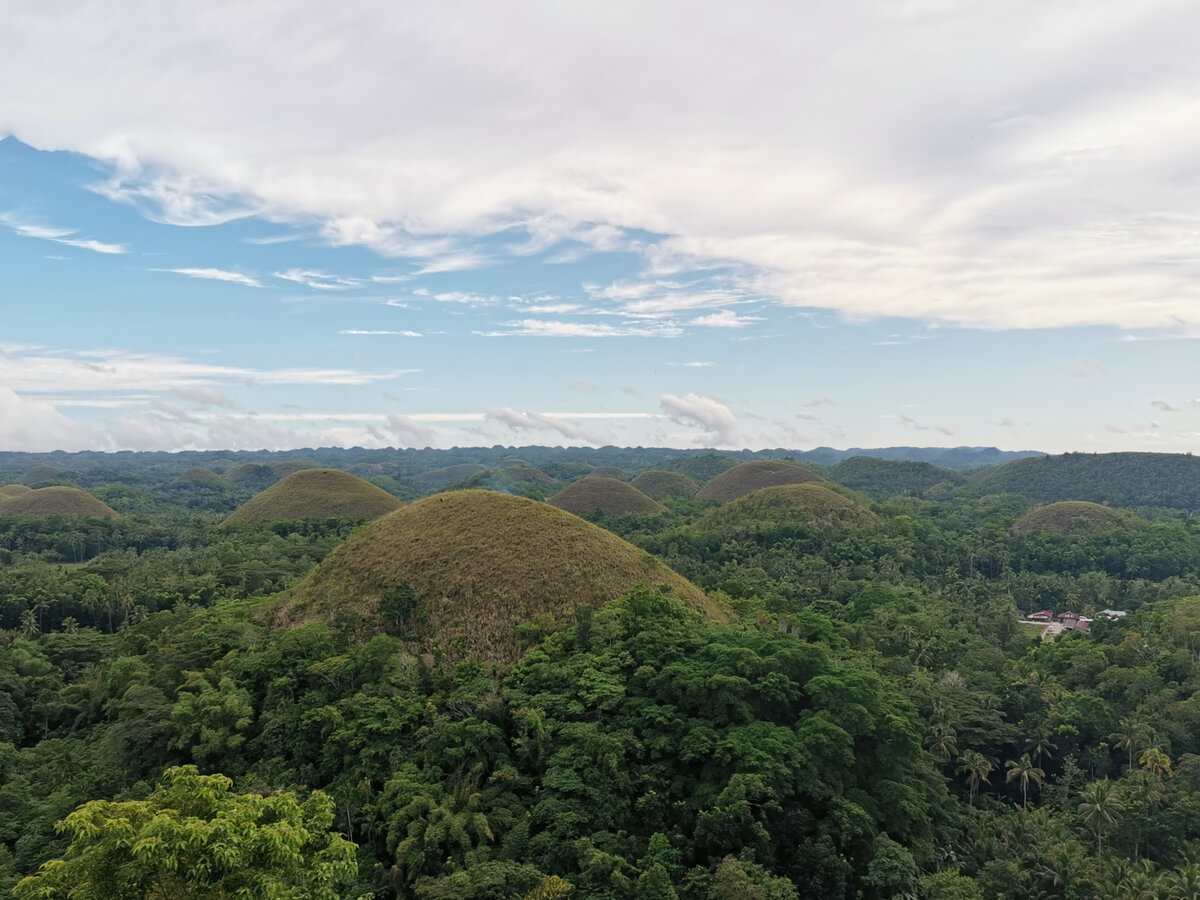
(1042, 747)
(943, 742)
(1184, 883)
(1156, 763)
(1100, 809)
(1025, 771)
(976, 767)
(1131, 733)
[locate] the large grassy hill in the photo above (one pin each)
(610, 496)
(1167, 480)
(479, 563)
(56, 501)
(12, 490)
(751, 476)
(317, 493)
(1067, 516)
(881, 478)
(793, 504)
(658, 483)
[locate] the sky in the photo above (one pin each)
(244, 225)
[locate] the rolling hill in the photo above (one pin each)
(658, 483)
(1166, 480)
(880, 478)
(12, 490)
(610, 496)
(316, 493)
(1067, 516)
(794, 504)
(56, 501)
(751, 476)
(479, 564)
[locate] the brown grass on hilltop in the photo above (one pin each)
(610, 496)
(750, 476)
(316, 493)
(12, 490)
(56, 501)
(480, 563)
(794, 504)
(1067, 516)
(658, 483)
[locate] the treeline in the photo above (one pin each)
(876, 722)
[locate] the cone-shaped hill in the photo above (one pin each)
(317, 493)
(610, 496)
(1067, 516)
(479, 564)
(56, 501)
(12, 490)
(751, 476)
(659, 483)
(792, 504)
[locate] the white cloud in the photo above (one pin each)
(216, 275)
(34, 370)
(409, 432)
(531, 421)
(551, 328)
(716, 418)
(364, 331)
(917, 172)
(319, 281)
(35, 425)
(58, 236)
(695, 364)
(204, 396)
(726, 318)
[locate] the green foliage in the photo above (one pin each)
(193, 838)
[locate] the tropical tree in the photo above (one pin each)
(976, 768)
(1099, 809)
(192, 839)
(1132, 732)
(1024, 771)
(1155, 762)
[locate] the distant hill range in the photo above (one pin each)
(221, 480)
(943, 457)
(1161, 480)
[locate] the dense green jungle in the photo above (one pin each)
(876, 719)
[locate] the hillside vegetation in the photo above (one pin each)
(1164, 480)
(751, 476)
(316, 493)
(1067, 516)
(658, 483)
(202, 476)
(449, 474)
(610, 496)
(790, 504)
(479, 564)
(882, 478)
(12, 490)
(56, 501)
